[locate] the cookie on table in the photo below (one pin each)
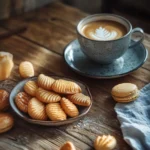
(4, 100)
(30, 87)
(47, 96)
(80, 99)
(22, 99)
(55, 112)
(105, 142)
(69, 108)
(66, 87)
(45, 82)
(68, 146)
(125, 92)
(26, 69)
(6, 122)
(36, 109)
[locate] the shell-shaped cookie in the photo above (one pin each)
(105, 142)
(66, 87)
(80, 99)
(22, 99)
(36, 109)
(30, 87)
(68, 146)
(6, 122)
(47, 96)
(69, 108)
(45, 81)
(4, 100)
(55, 112)
(26, 69)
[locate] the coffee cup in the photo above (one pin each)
(104, 38)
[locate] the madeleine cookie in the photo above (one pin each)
(125, 92)
(45, 81)
(4, 100)
(47, 96)
(80, 99)
(105, 142)
(36, 109)
(22, 99)
(65, 87)
(6, 122)
(30, 87)
(68, 146)
(26, 69)
(55, 112)
(69, 108)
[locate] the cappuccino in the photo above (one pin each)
(103, 30)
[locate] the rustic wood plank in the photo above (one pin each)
(32, 45)
(46, 26)
(20, 47)
(55, 136)
(20, 139)
(103, 104)
(147, 45)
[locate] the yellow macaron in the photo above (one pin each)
(125, 92)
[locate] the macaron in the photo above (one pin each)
(125, 92)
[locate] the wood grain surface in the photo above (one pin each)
(49, 30)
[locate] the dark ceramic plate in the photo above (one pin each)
(129, 62)
(19, 87)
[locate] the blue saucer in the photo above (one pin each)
(129, 62)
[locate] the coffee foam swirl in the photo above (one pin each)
(103, 34)
(103, 30)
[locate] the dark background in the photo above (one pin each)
(136, 11)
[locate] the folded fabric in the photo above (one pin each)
(134, 118)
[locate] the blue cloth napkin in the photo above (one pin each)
(134, 118)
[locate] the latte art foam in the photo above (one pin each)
(103, 30)
(103, 34)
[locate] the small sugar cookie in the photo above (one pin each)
(36, 109)
(69, 108)
(68, 146)
(22, 99)
(105, 142)
(45, 82)
(66, 87)
(125, 92)
(30, 87)
(6, 122)
(80, 99)
(47, 96)
(55, 112)
(26, 69)
(4, 100)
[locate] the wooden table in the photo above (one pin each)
(49, 30)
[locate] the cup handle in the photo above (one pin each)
(138, 38)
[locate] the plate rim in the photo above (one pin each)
(48, 122)
(104, 77)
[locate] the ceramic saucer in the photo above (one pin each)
(129, 62)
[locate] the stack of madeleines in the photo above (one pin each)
(6, 119)
(52, 99)
(125, 92)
